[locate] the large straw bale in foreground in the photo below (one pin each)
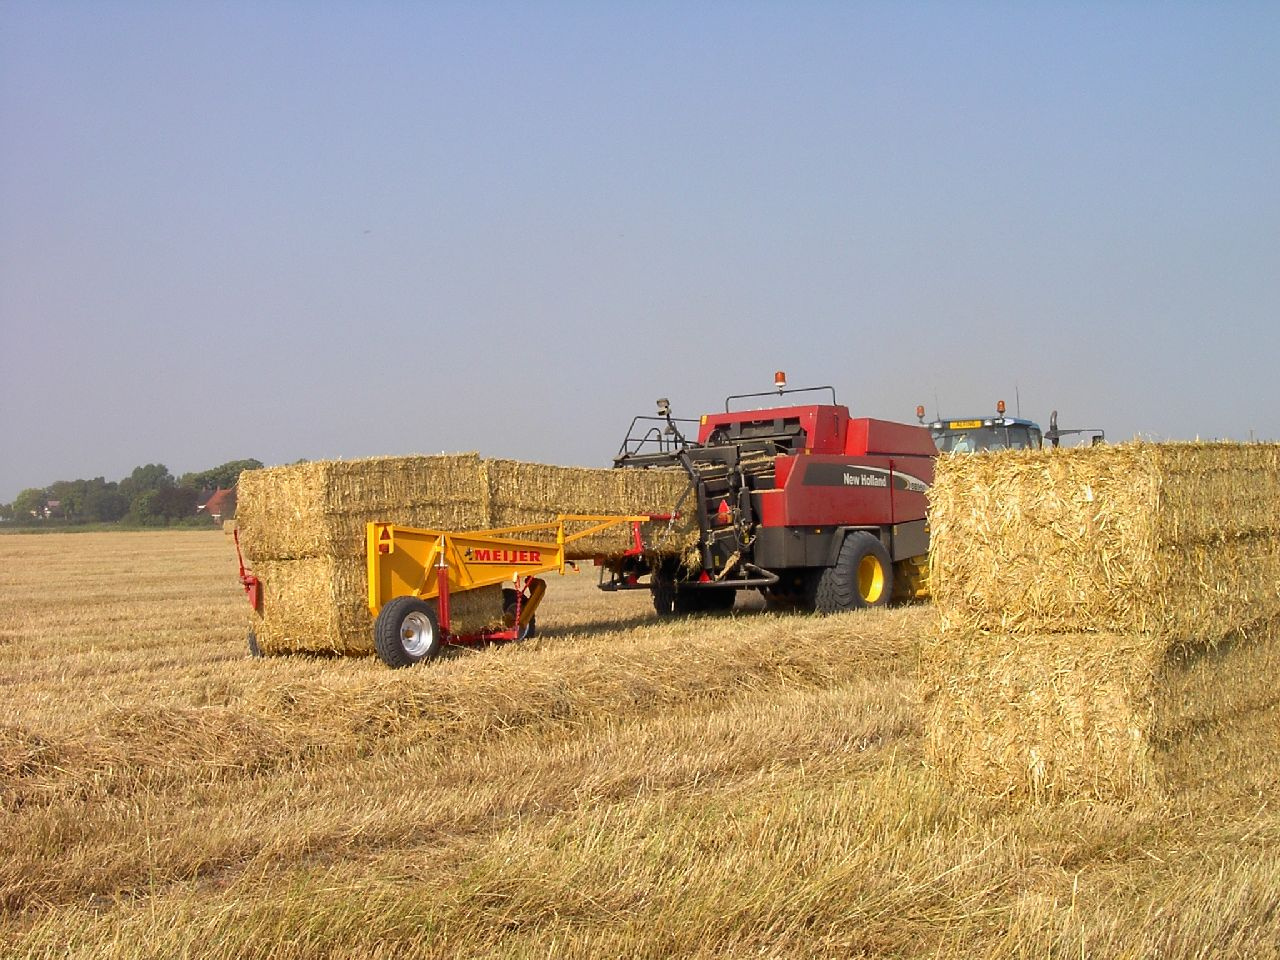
(1102, 715)
(1107, 616)
(303, 530)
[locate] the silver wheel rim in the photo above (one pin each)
(417, 634)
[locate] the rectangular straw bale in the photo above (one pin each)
(1216, 711)
(299, 610)
(1040, 714)
(320, 509)
(522, 493)
(1103, 715)
(1100, 609)
(319, 605)
(1178, 539)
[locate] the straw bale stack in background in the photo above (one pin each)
(320, 509)
(303, 530)
(523, 493)
(1101, 611)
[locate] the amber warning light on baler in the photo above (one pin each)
(780, 380)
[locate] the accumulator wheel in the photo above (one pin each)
(861, 577)
(406, 631)
(255, 651)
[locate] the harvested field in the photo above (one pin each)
(749, 785)
(1103, 611)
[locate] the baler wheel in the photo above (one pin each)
(406, 631)
(255, 651)
(664, 596)
(861, 577)
(717, 600)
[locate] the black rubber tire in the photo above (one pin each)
(790, 593)
(694, 600)
(717, 599)
(862, 576)
(669, 600)
(690, 601)
(255, 651)
(664, 597)
(407, 631)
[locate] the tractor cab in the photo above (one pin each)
(984, 433)
(1000, 433)
(974, 436)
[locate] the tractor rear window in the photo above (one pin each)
(986, 438)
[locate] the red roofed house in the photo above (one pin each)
(221, 505)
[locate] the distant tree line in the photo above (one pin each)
(149, 497)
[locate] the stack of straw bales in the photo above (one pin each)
(1108, 614)
(303, 530)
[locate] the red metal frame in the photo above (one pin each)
(479, 636)
(252, 585)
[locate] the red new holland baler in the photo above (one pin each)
(815, 508)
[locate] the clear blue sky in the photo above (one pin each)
(292, 229)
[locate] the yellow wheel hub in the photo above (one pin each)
(870, 579)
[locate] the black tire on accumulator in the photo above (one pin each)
(861, 577)
(407, 630)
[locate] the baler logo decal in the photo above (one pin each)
(499, 555)
(865, 478)
(862, 477)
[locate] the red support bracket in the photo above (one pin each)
(252, 585)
